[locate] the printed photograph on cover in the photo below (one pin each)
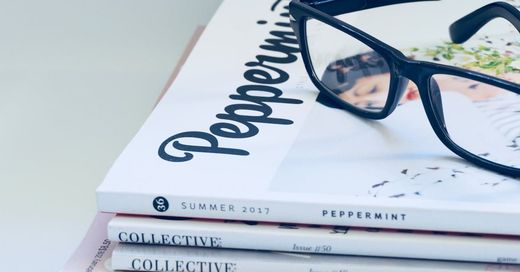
(400, 157)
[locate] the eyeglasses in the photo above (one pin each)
(369, 78)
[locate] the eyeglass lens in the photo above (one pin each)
(480, 118)
(348, 67)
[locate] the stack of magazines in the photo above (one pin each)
(243, 167)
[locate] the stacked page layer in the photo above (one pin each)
(178, 259)
(314, 239)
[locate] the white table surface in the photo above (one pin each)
(77, 80)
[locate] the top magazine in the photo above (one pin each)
(242, 133)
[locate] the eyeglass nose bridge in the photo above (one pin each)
(429, 91)
(411, 70)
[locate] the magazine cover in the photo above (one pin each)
(243, 135)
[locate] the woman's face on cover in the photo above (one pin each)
(369, 89)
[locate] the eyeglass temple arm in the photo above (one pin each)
(464, 28)
(337, 7)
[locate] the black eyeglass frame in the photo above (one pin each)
(403, 69)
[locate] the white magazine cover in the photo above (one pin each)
(240, 135)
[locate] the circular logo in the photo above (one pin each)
(160, 204)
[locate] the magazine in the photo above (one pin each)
(134, 257)
(343, 240)
(243, 136)
(94, 252)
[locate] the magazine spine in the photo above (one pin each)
(157, 258)
(351, 213)
(314, 239)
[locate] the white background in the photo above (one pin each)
(77, 80)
